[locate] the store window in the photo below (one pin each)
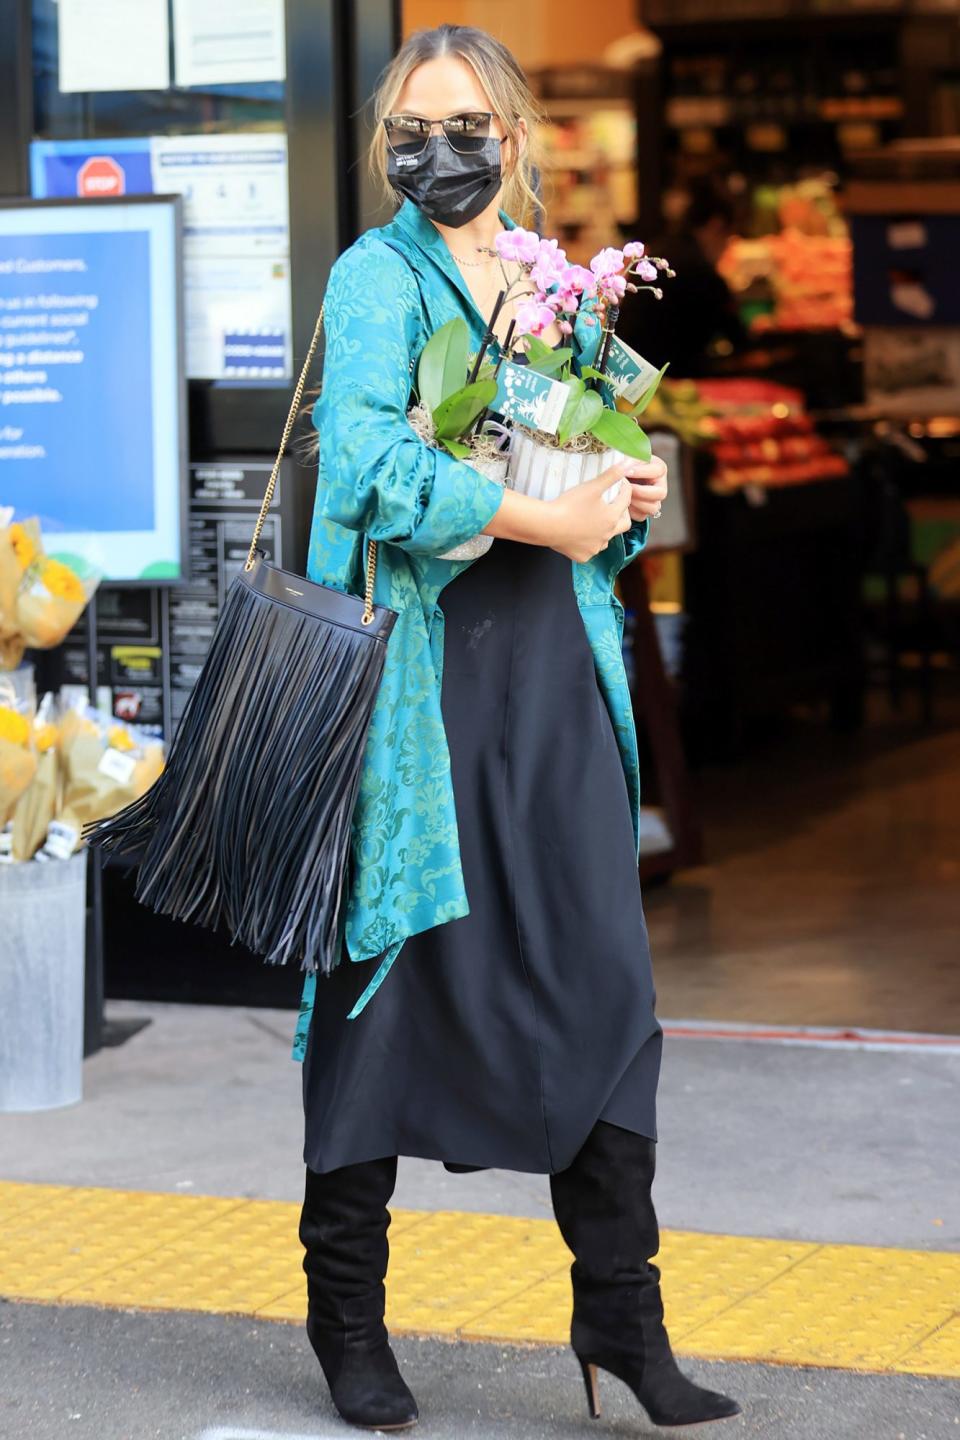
(185, 97)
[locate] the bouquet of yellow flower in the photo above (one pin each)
(12, 643)
(41, 598)
(27, 830)
(62, 766)
(18, 762)
(104, 766)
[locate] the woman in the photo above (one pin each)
(495, 837)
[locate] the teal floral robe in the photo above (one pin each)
(386, 294)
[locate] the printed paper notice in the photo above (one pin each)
(113, 45)
(228, 42)
(236, 250)
(236, 234)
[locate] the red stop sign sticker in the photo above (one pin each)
(100, 175)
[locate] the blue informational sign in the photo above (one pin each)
(236, 235)
(91, 382)
(86, 169)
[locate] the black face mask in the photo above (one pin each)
(448, 187)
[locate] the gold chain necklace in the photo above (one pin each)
(489, 260)
(460, 261)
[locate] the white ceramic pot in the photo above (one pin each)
(546, 472)
(478, 545)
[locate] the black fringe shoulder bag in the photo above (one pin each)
(248, 825)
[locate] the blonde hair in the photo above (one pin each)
(510, 95)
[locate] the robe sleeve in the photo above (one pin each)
(376, 475)
(635, 539)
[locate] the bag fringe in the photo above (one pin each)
(249, 822)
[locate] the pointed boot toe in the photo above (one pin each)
(366, 1386)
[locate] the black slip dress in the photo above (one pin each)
(500, 1038)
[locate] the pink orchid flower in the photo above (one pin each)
(579, 278)
(551, 260)
(634, 250)
(647, 271)
(518, 244)
(607, 262)
(565, 300)
(613, 287)
(533, 316)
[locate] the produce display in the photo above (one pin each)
(802, 268)
(761, 435)
(758, 433)
(810, 279)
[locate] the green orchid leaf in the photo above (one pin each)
(537, 350)
(580, 409)
(621, 432)
(576, 387)
(442, 367)
(555, 360)
(582, 415)
(590, 372)
(649, 393)
(458, 411)
(457, 448)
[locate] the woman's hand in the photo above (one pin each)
(648, 489)
(580, 522)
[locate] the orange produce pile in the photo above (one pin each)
(811, 277)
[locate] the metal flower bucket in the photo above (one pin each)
(42, 936)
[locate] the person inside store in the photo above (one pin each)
(696, 325)
(517, 1028)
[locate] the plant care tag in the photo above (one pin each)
(533, 399)
(632, 376)
(117, 764)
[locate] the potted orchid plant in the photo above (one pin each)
(450, 413)
(586, 434)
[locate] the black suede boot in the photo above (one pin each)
(343, 1229)
(604, 1208)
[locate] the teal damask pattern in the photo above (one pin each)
(386, 294)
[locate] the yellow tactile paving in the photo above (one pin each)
(456, 1265)
(701, 1279)
(852, 1306)
(936, 1354)
(485, 1277)
(76, 1236)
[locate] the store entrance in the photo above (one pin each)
(793, 645)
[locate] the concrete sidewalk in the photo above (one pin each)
(836, 1145)
(831, 1163)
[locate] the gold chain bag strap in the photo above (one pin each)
(295, 403)
(248, 827)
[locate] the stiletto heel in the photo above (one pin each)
(590, 1383)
